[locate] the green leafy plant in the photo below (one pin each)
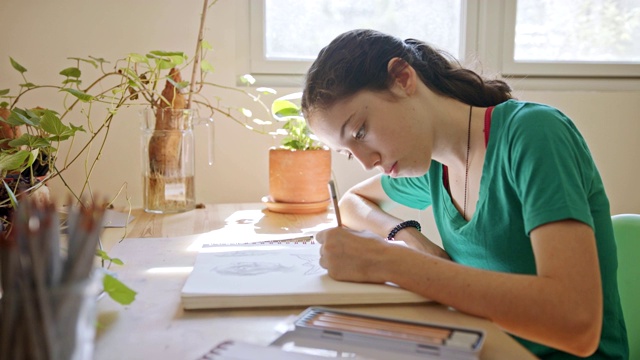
(295, 130)
(94, 90)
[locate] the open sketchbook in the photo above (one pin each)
(234, 276)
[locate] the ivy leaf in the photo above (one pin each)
(17, 66)
(30, 141)
(4, 92)
(28, 85)
(118, 291)
(13, 161)
(52, 124)
(84, 97)
(73, 72)
(19, 117)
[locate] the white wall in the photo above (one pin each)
(41, 34)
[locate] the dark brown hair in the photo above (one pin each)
(358, 59)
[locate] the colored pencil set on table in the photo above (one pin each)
(351, 334)
(48, 283)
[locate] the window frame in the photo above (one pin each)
(484, 23)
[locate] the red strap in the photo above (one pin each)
(487, 125)
(487, 128)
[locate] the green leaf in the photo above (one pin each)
(163, 64)
(118, 291)
(76, 128)
(72, 81)
(28, 85)
(30, 141)
(92, 62)
(205, 45)
(286, 107)
(104, 256)
(73, 72)
(266, 90)
(205, 66)
(247, 79)
(168, 53)
(12, 196)
(4, 104)
(19, 117)
(178, 85)
(52, 124)
(283, 109)
(13, 161)
(131, 75)
(4, 92)
(99, 60)
(137, 58)
(84, 97)
(17, 66)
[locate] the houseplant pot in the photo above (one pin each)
(298, 180)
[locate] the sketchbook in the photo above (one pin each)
(286, 274)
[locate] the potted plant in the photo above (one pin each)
(94, 90)
(300, 168)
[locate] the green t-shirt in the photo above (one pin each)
(537, 169)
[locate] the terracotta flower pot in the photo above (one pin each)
(298, 180)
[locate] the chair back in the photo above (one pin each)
(626, 228)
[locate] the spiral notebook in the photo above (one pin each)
(276, 273)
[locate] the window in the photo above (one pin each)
(288, 43)
(572, 38)
(518, 38)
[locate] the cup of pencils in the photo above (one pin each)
(49, 283)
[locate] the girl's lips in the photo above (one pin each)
(393, 172)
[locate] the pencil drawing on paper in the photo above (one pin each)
(310, 261)
(241, 253)
(251, 268)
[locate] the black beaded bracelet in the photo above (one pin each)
(402, 225)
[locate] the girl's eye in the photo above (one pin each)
(361, 133)
(348, 154)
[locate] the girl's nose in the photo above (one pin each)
(368, 160)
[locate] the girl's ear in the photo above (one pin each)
(404, 77)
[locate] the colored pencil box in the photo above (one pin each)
(335, 333)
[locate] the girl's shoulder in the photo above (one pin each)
(527, 117)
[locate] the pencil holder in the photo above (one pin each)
(49, 284)
(75, 319)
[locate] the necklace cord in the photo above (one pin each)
(466, 175)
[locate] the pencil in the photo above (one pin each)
(334, 198)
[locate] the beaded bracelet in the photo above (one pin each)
(402, 225)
